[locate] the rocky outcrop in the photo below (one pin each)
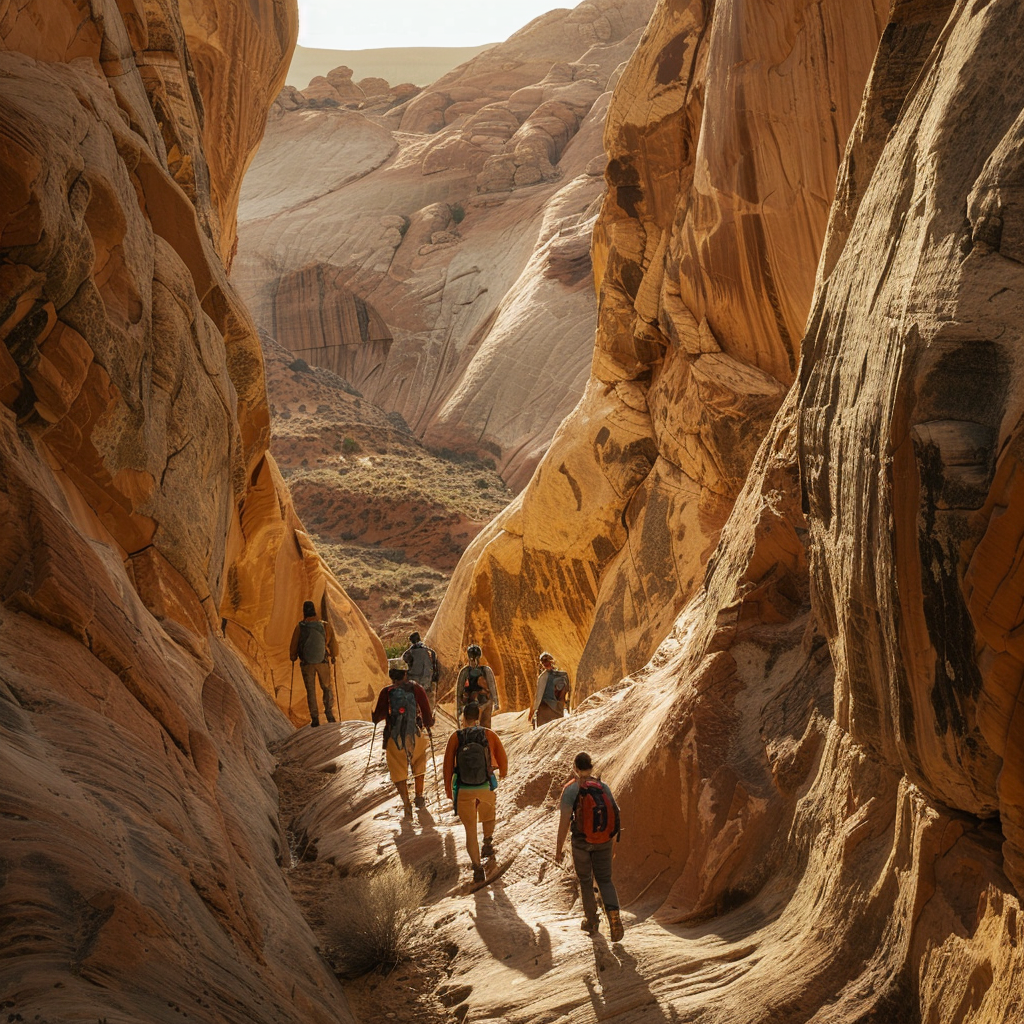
(142, 518)
(705, 254)
(466, 214)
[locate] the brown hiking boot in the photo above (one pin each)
(478, 873)
(330, 716)
(590, 927)
(421, 801)
(315, 722)
(615, 926)
(487, 850)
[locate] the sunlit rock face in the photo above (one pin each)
(461, 216)
(724, 137)
(141, 518)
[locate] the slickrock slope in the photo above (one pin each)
(724, 138)
(140, 511)
(462, 220)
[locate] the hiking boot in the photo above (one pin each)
(421, 801)
(589, 926)
(615, 926)
(487, 850)
(330, 716)
(478, 873)
(315, 722)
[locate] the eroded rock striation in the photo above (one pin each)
(724, 139)
(462, 218)
(143, 517)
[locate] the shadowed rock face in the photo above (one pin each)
(724, 137)
(141, 512)
(463, 217)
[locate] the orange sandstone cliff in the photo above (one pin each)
(142, 517)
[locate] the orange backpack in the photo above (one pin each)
(596, 817)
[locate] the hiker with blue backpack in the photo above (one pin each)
(313, 642)
(471, 759)
(589, 811)
(405, 711)
(551, 697)
(476, 685)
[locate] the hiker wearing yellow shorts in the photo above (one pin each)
(471, 758)
(405, 710)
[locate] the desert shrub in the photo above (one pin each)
(481, 484)
(394, 650)
(371, 923)
(350, 445)
(458, 213)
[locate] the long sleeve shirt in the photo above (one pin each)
(331, 639)
(499, 759)
(383, 706)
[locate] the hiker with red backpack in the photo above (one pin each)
(551, 697)
(423, 665)
(588, 808)
(313, 642)
(471, 758)
(476, 685)
(405, 711)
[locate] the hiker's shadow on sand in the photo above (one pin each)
(616, 982)
(507, 936)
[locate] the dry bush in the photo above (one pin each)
(371, 923)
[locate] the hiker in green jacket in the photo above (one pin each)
(313, 643)
(552, 694)
(588, 808)
(476, 685)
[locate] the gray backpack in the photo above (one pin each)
(312, 643)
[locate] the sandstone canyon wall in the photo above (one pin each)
(141, 514)
(820, 766)
(724, 139)
(460, 219)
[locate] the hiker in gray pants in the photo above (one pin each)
(587, 805)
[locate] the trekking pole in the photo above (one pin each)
(291, 690)
(337, 699)
(369, 756)
(433, 761)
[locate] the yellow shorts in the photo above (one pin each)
(415, 750)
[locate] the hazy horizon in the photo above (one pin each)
(326, 24)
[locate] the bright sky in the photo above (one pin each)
(368, 24)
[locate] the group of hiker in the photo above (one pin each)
(474, 758)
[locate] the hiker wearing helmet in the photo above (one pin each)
(476, 685)
(405, 711)
(470, 760)
(313, 642)
(589, 809)
(422, 663)
(552, 693)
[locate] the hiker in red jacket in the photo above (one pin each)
(405, 711)
(589, 809)
(471, 758)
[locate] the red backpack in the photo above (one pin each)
(596, 817)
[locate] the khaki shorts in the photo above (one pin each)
(415, 750)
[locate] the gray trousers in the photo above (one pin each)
(310, 673)
(593, 862)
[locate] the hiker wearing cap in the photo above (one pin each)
(588, 808)
(476, 685)
(422, 663)
(313, 642)
(552, 694)
(405, 711)
(471, 758)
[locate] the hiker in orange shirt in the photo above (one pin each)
(470, 760)
(588, 807)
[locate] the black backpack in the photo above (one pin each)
(402, 711)
(312, 643)
(473, 685)
(473, 757)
